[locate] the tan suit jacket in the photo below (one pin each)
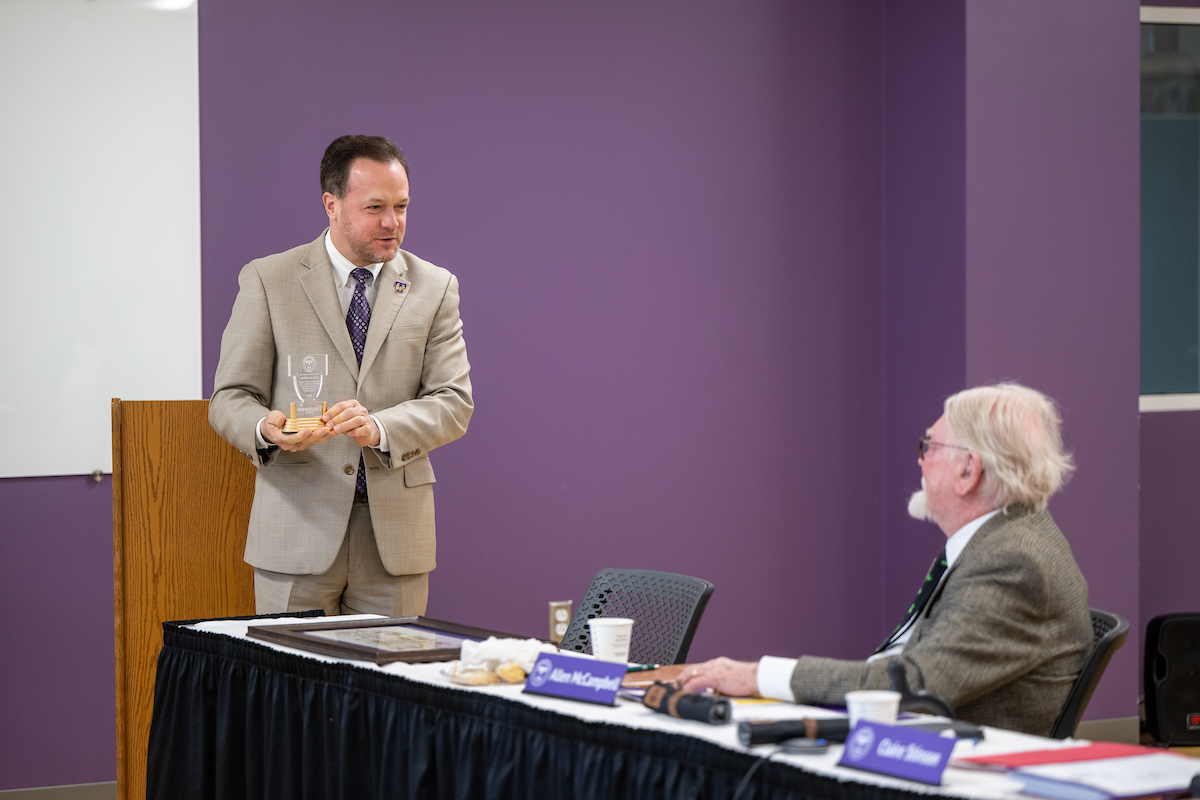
(414, 378)
(1001, 640)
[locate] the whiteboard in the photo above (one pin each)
(100, 244)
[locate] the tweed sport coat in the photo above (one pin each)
(414, 378)
(1002, 639)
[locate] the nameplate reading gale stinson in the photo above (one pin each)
(560, 675)
(897, 751)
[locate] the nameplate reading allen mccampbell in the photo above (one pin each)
(560, 675)
(897, 751)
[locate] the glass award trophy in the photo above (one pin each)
(308, 373)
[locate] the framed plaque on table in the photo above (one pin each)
(382, 641)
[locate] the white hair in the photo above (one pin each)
(1015, 431)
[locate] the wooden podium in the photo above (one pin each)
(181, 505)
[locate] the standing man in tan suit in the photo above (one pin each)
(343, 512)
(1001, 627)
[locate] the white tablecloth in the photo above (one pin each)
(956, 781)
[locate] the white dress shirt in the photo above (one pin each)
(775, 673)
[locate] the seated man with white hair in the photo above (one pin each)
(1001, 628)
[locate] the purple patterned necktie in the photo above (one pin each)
(358, 319)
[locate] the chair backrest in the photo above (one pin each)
(1108, 634)
(666, 609)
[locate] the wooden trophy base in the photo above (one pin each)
(294, 425)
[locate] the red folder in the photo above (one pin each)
(1088, 752)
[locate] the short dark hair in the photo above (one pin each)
(342, 152)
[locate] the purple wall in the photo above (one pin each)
(720, 265)
(665, 219)
(1170, 514)
(1052, 255)
(58, 674)
(924, 280)
(1011, 251)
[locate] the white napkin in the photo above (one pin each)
(493, 652)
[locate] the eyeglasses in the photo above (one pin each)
(926, 442)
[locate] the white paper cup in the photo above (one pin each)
(610, 638)
(873, 705)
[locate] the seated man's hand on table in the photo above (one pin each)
(733, 678)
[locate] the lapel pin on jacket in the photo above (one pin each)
(401, 287)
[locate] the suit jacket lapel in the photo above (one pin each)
(392, 289)
(978, 542)
(316, 277)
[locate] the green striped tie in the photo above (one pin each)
(936, 570)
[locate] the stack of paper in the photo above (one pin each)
(1101, 771)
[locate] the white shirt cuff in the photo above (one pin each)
(263, 444)
(775, 678)
(382, 446)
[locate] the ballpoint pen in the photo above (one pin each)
(642, 667)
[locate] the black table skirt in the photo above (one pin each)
(234, 719)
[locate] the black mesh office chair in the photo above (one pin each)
(1108, 634)
(666, 609)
